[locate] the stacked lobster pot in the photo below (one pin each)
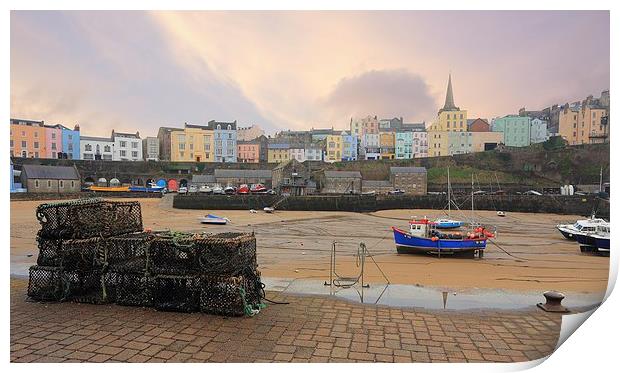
(96, 251)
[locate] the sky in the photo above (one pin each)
(140, 70)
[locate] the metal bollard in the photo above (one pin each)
(553, 302)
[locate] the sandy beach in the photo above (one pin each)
(297, 245)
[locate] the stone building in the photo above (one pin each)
(339, 182)
(411, 180)
(377, 186)
(50, 179)
(164, 135)
(291, 177)
(150, 149)
(225, 177)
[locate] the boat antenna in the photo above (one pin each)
(600, 186)
(449, 200)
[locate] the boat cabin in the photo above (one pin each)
(421, 228)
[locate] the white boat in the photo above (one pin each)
(205, 189)
(446, 223)
(501, 213)
(269, 210)
(584, 226)
(213, 219)
(218, 190)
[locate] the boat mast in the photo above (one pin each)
(600, 186)
(449, 200)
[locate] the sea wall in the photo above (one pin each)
(573, 205)
(63, 196)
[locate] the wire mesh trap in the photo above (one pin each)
(94, 251)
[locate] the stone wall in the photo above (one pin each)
(574, 205)
(62, 196)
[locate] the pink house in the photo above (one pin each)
(53, 141)
(248, 152)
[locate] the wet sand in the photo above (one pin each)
(297, 245)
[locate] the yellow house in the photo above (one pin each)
(450, 117)
(387, 145)
(569, 118)
(333, 145)
(591, 130)
(277, 153)
(482, 141)
(194, 144)
(438, 143)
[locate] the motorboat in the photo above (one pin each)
(423, 237)
(243, 189)
(598, 240)
(230, 190)
(269, 210)
(501, 214)
(153, 188)
(580, 227)
(205, 189)
(258, 189)
(213, 219)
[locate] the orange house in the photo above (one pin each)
(248, 152)
(28, 138)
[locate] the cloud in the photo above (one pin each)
(384, 93)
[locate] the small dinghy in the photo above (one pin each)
(501, 213)
(213, 219)
(269, 210)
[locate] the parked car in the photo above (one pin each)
(230, 190)
(193, 189)
(183, 190)
(258, 189)
(205, 189)
(480, 192)
(272, 192)
(396, 192)
(218, 190)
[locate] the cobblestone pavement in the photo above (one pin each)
(309, 329)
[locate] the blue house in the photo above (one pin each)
(349, 146)
(70, 141)
(225, 135)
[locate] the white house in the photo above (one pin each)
(370, 145)
(297, 152)
(538, 132)
(127, 146)
(96, 148)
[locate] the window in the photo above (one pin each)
(134, 145)
(23, 133)
(191, 147)
(36, 145)
(61, 183)
(49, 183)
(53, 154)
(36, 183)
(70, 137)
(123, 144)
(70, 147)
(134, 154)
(181, 146)
(98, 149)
(36, 154)
(72, 184)
(88, 147)
(11, 143)
(53, 135)
(53, 146)
(123, 153)
(36, 134)
(87, 156)
(106, 149)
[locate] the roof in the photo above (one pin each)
(35, 171)
(203, 179)
(278, 146)
(93, 138)
(408, 170)
(222, 172)
(213, 124)
(123, 134)
(343, 174)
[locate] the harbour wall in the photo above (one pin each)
(63, 196)
(569, 205)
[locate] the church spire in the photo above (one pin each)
(449, 105)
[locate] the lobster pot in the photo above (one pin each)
(171, 256)
(86, 286)
(229, 296)
(47, 283)
(129, 288)
(82, 255)
(86, 218)
(127, 253)
(176, 293)
(50, 252)
(226, 254)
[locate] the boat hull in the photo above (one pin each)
(406, 243)
(109, 189)
(146, 189)
(585, 239)
(567, 234)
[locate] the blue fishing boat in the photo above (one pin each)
(214, 219)
(423, 237)
(152, 188)
(595, 241)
